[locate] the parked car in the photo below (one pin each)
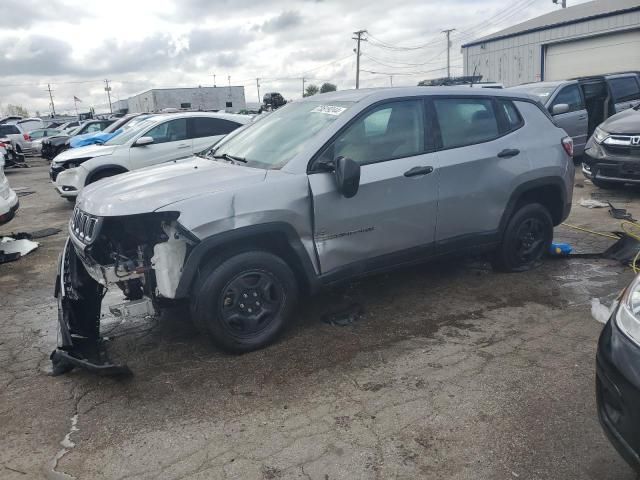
(8, 198)
(37, 136)
(53, 146)
(119, 124)
(273, 100)
(20, 139)
(581, 104)
(67, 127)
(322, 190)
(612, 154)
(157, 139)
(618, 375)
(29, 124)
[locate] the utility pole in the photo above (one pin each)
(391, 80)
(358, 38)
(303, 79)
(448, 33)
(214, 79)
(107, 89)
(258, 86)
(53, 107)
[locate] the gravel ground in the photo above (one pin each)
(453, 371)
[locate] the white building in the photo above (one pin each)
(592, 38)
(229, 99)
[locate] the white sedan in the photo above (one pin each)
(158, 139)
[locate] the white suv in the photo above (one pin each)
(158, 139)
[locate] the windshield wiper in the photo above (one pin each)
(231, 158)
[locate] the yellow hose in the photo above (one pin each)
(608, 235)
(630, 228)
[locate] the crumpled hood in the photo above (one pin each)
(84, 152)
(626, 122)
(148, 189)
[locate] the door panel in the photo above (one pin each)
(202, 143)
(576, 124)
(474, 180)
(170, 143)
(390, 212)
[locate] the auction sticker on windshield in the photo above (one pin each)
(328, 109)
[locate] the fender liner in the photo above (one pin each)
(553, 181)
(202, 250)
(102, 168)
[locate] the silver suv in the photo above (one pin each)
(322, 190)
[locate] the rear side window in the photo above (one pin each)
(511, 114)
(209, 127)
(624, 89)
(8, 130)
(465, 121)
(571, 96)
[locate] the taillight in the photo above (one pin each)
(26, 137)
(567, 144)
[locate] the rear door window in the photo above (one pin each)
(571, 96)
(210, 127)
(624, 89)
(465, 121)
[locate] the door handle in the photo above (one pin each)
(509, 152)
(582, 117)
(417, 171)
(183, 146)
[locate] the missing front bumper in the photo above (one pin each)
(79, 303)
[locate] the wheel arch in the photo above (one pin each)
(279, 238)
(103, 168)
(548, 191)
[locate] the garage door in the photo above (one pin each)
(593, 56)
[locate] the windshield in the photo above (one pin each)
(130, 132)
(541, 91)
(277, 138)
(74, 131)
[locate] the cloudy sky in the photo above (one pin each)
(140, 44)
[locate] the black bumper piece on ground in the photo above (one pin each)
(79, 302)
(618, 391)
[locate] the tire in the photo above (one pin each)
(606, 185)
(244, 301)
(525, 240)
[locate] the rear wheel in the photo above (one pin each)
(527, 237)
(244, 302)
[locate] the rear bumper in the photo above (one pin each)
(618, 391)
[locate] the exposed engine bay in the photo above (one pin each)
(142, 255)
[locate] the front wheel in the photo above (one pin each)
(245, 301)
(527, 237)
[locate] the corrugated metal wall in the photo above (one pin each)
(518, 59)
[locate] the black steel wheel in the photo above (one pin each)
(245, 300)
(526, 238)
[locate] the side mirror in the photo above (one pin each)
(142, 141)
(347, 173)
(559, 109)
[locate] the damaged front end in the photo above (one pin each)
(142, 255)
